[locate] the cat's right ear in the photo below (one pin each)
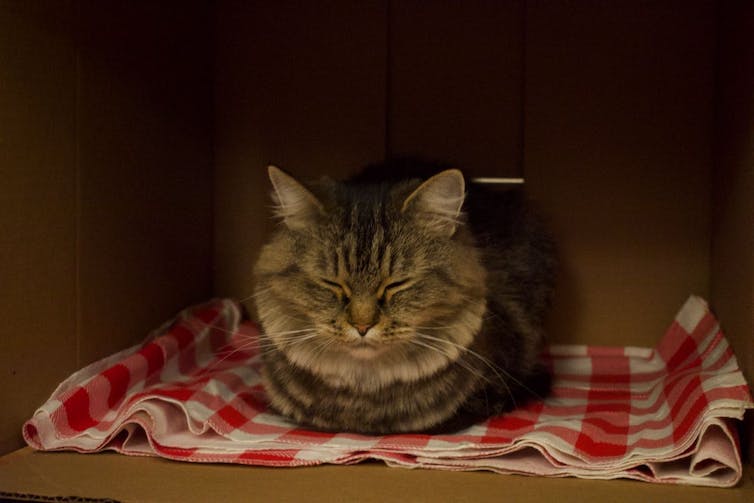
(437, 202)
(294, 204)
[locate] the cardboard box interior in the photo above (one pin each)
(134, 136)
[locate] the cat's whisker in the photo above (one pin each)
(455, 359)
(285, 315)
(255, 294)
(439, 327)
(495, 368)
(254, 339)
(285, 332)
(270, 344)
(300, 340)
(204, 325)
(224, 357)
(450, 358)
(273, 341)
(322, 347)
(253, 344)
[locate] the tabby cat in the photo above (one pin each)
(402, 305)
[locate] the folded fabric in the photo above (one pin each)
(193, 392)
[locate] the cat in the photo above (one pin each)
(392, 306)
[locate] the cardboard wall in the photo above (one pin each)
(455, 83)
(619, 134)
(38, 200)
(106, 192)
(138, 479)
(733, 236)
(296, 85)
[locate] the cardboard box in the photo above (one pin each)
(134, 136)
(124, 478)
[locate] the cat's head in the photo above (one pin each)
(357, 272)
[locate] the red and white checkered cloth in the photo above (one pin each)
(192, 392)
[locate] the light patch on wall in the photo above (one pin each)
(498, 181)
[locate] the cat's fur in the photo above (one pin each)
(395, 306)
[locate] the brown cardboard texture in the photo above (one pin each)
(134, 138)
(127, 479)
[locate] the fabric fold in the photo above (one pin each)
(192, 391)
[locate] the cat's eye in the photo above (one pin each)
(391, 288)
(340, 289)
(395, 285)
(333, 284)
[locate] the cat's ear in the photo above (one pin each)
(437, 202)
(293, 202)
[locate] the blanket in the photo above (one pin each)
(192, 391)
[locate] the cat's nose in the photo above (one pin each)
(362, 329)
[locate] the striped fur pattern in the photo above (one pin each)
(388, 307)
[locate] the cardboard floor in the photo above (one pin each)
(122, 478)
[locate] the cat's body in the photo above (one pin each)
(385, 309)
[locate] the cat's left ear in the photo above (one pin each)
(294, 203)
(437, 202)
